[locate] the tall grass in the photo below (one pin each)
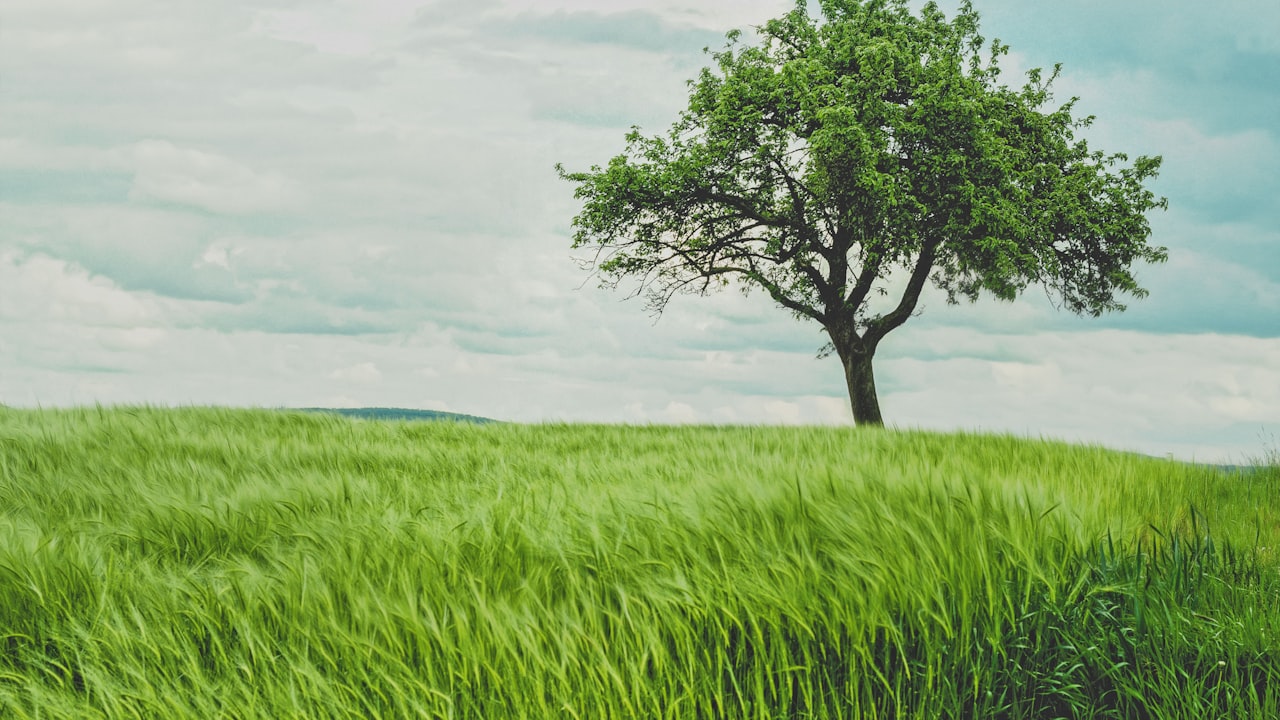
(213, 563)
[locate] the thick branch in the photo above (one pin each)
(882, 325)
(866, 278)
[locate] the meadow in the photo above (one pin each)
(216, 563)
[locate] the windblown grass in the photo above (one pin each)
(212, 563)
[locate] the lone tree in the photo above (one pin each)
(861, 153)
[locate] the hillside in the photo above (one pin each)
(200, 563)
(378, 413)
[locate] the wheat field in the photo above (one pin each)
(219, 563)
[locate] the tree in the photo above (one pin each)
(865, 151)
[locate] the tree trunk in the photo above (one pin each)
(861, 379)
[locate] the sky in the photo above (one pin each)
(345, 203)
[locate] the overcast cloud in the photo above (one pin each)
(353, 203)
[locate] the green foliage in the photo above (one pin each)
(840, 149)
(868, 142)
(254, 564)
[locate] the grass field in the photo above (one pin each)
(206, 563)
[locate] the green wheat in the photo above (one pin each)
(206, 563)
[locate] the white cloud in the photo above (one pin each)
(782, 412)
(26, 153)
(679, 412)
(365, 373)
(1035, 378)
(134, 339)
(719, 15)
(218, 255)
(1118, 388)
(205, 180)
(43, 289)
(1215, 170)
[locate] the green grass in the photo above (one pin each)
(211, 563)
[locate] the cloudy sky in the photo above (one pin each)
(353, 203)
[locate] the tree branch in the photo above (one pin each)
(779, 296)
(882, 325)
(866, 278)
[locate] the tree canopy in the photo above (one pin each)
(863, 152)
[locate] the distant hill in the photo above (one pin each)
(377, 413)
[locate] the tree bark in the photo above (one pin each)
(859, 376)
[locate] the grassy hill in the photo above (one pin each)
(209, 563)
(377, 413)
